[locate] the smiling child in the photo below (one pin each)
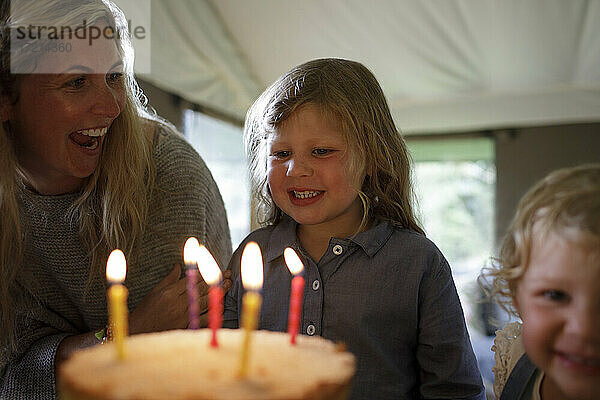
(549, 275)
(332, 175)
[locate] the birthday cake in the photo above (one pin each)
(181, 364)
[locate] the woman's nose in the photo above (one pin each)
(107, 101)
(299, 167)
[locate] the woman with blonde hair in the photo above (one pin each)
(85, 169)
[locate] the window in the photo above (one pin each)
(456, 202)
(455, 181)
(221, 146)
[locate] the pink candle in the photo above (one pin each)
(215, 312)
(296, 296)
(190, 257)
(211, 273)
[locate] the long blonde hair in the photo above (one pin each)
(113, 205)
(566, 202)
(348, 91)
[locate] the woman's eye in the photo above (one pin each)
(321, 152)
(114, 77)
(555, 295)
(76, 83)
(280, 154)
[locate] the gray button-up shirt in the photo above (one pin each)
(388, 294)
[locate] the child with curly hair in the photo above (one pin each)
(548, 275)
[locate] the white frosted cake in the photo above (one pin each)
(181, 364)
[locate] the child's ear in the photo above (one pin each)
(515, 303)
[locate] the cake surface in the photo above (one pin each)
(181, 364)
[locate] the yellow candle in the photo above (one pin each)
(251, 303)
(116, 268)
(252, 279)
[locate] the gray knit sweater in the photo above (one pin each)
(55, 304)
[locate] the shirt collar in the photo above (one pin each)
(284, 235)
(374, 238)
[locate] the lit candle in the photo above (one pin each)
(252, 279)
(116, 268)
(191, 251)
(295, 266)
(211, 273)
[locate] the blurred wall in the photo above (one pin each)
(168, 106)
(525, 155)
(171, 106)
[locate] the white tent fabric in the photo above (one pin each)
(450, 65)
(192, 56)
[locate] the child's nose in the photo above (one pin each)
(584, 321)
(298, 167)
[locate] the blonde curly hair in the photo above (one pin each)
(566, 202)
(349, 93)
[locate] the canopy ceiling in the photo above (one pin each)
(445, 66)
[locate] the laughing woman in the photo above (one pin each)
(84, 169)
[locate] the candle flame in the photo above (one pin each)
(191, 251)
(252, 267)
(211, 273)
(292, 261)
(116, 267)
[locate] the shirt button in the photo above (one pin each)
(316, 285)
(337, 249)
(310, 329)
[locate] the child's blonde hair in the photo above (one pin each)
(566, 202)
(348, 92)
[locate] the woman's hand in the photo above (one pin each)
(166, 306)
(163, 308)
(226, 285)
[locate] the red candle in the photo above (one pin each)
(190, 257)
(215, 311)
(296, 296)
(212, 276)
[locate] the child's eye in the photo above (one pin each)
(322, 152)
(555, 295)
(280, 154)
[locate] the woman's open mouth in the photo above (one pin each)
(89, 139)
